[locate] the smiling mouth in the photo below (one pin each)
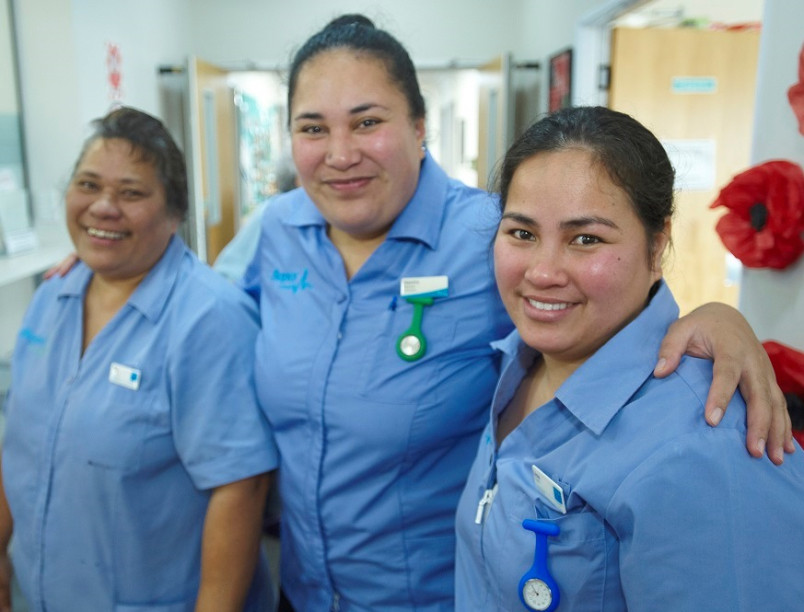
(546, 306)
(348, 183)
(105, 234)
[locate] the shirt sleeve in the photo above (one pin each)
(703, 526)
(220, 432)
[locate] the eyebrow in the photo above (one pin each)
(95, 175)
(577, 223)
(356, 110)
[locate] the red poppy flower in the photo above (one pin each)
(764, 225)
(788, 365)
(796, 93)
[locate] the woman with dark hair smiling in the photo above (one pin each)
(598, 486)
(135, 459)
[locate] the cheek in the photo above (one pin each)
(393, 149)
(306, 157)
(613, 273)
(509, 266)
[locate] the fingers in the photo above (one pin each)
(672, 348)
(769, 426)
(61, 268)
(725, 377)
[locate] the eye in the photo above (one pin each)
(311, 129)
(586, 240)
(521, 234)
(367, 123)
(132, 194)
(86, 185)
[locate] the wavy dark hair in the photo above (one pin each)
(150, 139)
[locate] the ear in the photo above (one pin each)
(660, 242)
(421, 132)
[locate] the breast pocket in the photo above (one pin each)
(113, 435)
(580, 556)
(386, 375)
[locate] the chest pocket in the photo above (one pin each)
(580, 557)
(384, 374)
(110, 429)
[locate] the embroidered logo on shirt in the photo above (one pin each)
(35, 342)
(291, 281)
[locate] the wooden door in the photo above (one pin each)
(695, 90)
(213, 160)
(495, 121)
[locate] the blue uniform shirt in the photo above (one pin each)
(374, 449)
(109, 485)
(663, 511)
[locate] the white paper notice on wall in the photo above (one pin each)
(694, 161)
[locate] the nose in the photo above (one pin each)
(546, 268)
(342, 151)
(105, 205)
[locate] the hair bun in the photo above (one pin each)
(350, 19)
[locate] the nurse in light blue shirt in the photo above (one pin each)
(135, 457)
(597, 486)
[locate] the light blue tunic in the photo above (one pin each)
(374, 449)
(108, 485)
(663, 511)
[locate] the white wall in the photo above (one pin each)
(773, 301)
(65, 78)
(434, 31)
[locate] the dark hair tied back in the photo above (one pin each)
(357, 32)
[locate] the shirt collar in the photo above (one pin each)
(589, 394)
(151, 294)
(420, 219)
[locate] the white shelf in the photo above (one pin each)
(54, 245)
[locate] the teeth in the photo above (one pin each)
(99, 233)
(546, 306)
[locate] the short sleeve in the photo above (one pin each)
(220, 433)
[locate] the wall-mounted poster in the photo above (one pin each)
(560, 91)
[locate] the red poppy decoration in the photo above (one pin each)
(788, 365)
(764, 225)
(796, 93)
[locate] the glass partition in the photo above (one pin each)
(14, 206)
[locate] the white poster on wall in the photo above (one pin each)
(694, 161)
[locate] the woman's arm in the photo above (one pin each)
(230, 544)
(719, 332)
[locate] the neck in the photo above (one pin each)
(103, 299)
(354, 250)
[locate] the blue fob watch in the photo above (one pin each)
(537, 588)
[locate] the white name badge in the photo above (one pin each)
(549, 489)
(124, 376)
(424, 286)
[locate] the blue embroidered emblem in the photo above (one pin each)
(27, 334)
(291, 281)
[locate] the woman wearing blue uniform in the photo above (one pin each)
(596, 485)
(135, 458)
(378, 305)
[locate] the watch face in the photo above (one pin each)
(537, 594)
(410, 345)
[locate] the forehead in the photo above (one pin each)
(566, 181)
(344, 76)
(115, 154)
